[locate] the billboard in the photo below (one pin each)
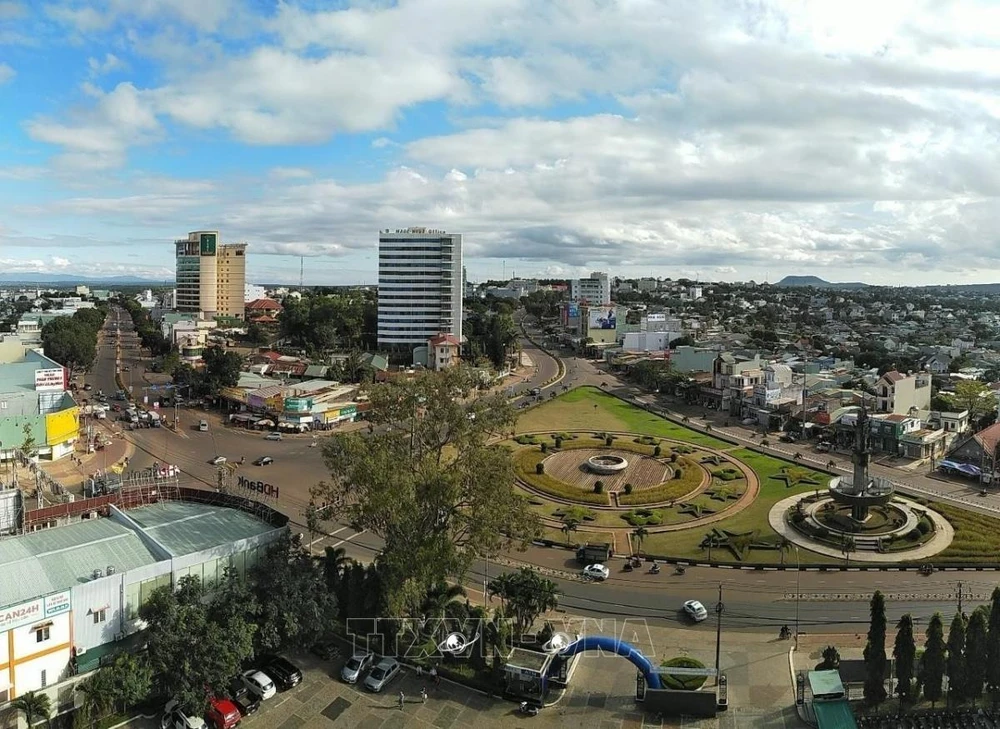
(602, 318)
(573, 310)
(35, 610)
(50, 379)
(62, 426)
(208, 244)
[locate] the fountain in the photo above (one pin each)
(606, 464)
(863, 490)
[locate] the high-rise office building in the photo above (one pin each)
(595, 290)
(210, 277)
(419, 286)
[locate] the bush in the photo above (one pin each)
(914, 534)
(609, 440)
(539, 468)
(628, 488)
(673, 458)
(558, 442)
(679, 473)
(544, 447)
(831, 659)
(656, 451)
(598, 487)
(924, 526)
(682, 683)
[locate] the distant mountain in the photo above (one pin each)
(817, 282)
(65, 279)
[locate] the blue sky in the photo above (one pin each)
(721, 139)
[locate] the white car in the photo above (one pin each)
(596, 572)
(258, 683)
(748, 421)
(218, 460)
(382, 674)
(175, 718)
(695, 610)
(273, 436)
(355, 666)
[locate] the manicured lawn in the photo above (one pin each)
(977, 536)
(590, 408)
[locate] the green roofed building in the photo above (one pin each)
(70, 595)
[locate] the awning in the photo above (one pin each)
(834, 715)
(99, 608)
(970, 470)
(949, 464)
(265, 422)
(42, 626)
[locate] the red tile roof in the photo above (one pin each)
(892, 376)
(263, 305)
(444, 339)
(988, 438)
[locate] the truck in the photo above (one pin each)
(154, 419)
(594, 553)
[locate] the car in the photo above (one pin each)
(787, 438)
(264, 461)
(246, 701)
(596, 572)
(88, 387)
(259, 683)
(382, 674)
(355, 666)
(285, 674)
(748, 421)
(273, 436)
(222, 713)
(175, 718)
(823, 447)
(695, 610)
(218, 460)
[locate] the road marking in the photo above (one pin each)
(347, 539)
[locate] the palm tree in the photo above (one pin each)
(33, 706)
(639, 533)
(848, 546)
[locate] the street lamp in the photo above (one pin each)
(798, 592)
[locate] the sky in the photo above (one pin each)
(718, 139)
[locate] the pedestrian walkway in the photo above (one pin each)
(71, 471)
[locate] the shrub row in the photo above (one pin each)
(527, 460)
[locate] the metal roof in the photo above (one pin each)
(51, 560)
(183, 527)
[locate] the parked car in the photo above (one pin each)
(259, 683)
(175, 718)
(264, 461)
(222, 713)
(596, 572)
(283, 671)
(788, 438)
(823, 447)
(218, 460)
(748, 421)
(273, 436)
(382, 674)
(246, 701)
(695, 610)
(355, 666)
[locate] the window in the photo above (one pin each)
(42, 635)
(100, 616)
(43, 677)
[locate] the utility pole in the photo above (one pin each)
(718, 633)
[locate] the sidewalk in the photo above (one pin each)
(71, 472)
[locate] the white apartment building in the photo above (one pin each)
(419, 286)
(252, 292)
(595, 290)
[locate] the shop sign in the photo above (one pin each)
(50, 379)
(265, 489)
(33, 611)
(57, 604)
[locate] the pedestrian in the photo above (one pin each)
(420, 670)
(423, 695)
(434, 676)
(402, 700)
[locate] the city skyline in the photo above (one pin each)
(718, 141)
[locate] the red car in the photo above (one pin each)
(222, 713)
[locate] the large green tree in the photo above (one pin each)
(976, 397)
(874, 654)
(69, 342)
(322, 321)
(525, 595)
(115, 688)
(956, 668)
(976, 638)
(904, 651)
(933, 662)
(993, 645)
(192, 651)
(222, 369)
(429, 482)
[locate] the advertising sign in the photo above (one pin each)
(34, 610)
(255, 401)
(208, 244)
(602, 318)
(49, 380)
(573, 310)
(57, 604)
(656, 317)
(259, 487)
(298, 404)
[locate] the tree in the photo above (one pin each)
(256, 335)
(976, 638)
(295, 605)
(34, 706)
(222, 369)
(976, 397)
(126, 682)
(932, 665)
(194, 649)
(638, 534)
(69, 342)
(956, 667)
(525, 595)
(428, 482)
(874, 654)
(904, 651)
(993, 645)
(847, 544)
(831, 658)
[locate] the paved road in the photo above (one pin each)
(754, 600)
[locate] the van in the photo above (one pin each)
(594, 553)
(203, 426)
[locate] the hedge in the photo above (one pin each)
(525, 461)
(670, 490)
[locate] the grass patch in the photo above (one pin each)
(691, 475)
(644, 517)
(525, 460)
(575, 410)
(977, 536)
(727, 474)
(682, 683)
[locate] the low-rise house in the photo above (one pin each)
(903, 394)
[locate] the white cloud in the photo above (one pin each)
(110, 63)
(6, 73)
(60, 262)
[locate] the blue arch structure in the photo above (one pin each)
(619, 647)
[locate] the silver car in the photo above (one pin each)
(382, 674)
(355, 666)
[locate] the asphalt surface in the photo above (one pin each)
(753, 600)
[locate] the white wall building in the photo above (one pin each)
(420, 286)
(595, 290)
(252, 292)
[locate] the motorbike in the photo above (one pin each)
(528, 709)
(926, 569)
(655, 569)
(680, 569)
(785, 633)
(628, 567)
